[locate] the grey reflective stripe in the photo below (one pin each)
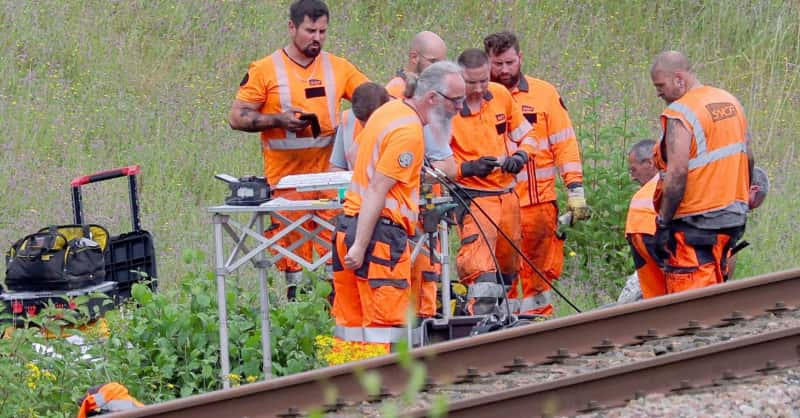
(537, 144)
(290, 141)
(348, 128)
(391, 203)
(717, 154)
(330, 86)
(395, 124)
(561, 136)
(386, 335)
(486, 290)
(571, 168)
(118, 405)
(99, 399)
(541, 174)
(641, 204)
(521, 131)
(699, 133)
(284, 92)
(398, 283)
(430, 276)
(299, 143)
(534, 302)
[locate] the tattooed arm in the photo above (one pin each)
(678, 140)
(246, 116)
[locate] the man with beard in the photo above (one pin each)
(279, 96)
(706, 169)
(491, 142)
(426, 48)
(556, 148)
(371, 256)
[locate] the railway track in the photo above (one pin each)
(492, 359)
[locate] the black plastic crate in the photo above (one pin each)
(31, 303)
(127, 255)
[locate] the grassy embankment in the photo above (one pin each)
(86, 86)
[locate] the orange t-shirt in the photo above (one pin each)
(391, 143)
(278, 83)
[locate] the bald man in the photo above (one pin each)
(425, 49)
(705, 163)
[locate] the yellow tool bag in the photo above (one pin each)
(60, 257)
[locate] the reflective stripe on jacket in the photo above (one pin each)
(718, 176)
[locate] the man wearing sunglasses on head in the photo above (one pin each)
(491, 143)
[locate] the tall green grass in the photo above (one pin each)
(91, 85)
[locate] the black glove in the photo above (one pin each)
(514, 163)
(480, 167)
(661, 240)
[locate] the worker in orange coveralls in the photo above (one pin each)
(278, 96)
(491, 143)
(556, 151)
(640, 227)
(706, 164)
(105, 399)
(371, 256)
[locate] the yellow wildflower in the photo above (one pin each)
(251, 379)
(572, 254)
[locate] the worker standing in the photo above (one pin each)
(705, 163)
(425, 49)
(371, 258)
(278, 96)
(640, 227)
(556, 150)
(491, 144)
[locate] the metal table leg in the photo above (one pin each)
(219, 257)
(266, 347)
(444, 258)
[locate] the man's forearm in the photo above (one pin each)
(249, 120)
(674, 188)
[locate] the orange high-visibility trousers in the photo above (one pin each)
(424, 276)
(475, 263)
(306, 249)
(540, 245)
(697, 257)
(651, 278)
(371, 301)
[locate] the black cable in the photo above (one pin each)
(444, 180)
(498, 277)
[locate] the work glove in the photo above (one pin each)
(576, 203)
(661, 240)
(480, 167)
(515, 163)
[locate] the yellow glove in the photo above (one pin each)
(576, 203)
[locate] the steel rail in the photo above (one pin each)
(684, 371)
(489, 353)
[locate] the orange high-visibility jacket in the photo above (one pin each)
(107, 398)
(641, 212)
(497, 129)
(718, 175)
(391, 143)
(556, 145)
(280, 83)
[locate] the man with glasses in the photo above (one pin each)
(371, 255)
(426, 48)
(491, 142)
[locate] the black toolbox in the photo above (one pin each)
(130, 257)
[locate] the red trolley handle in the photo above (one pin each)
(130, 170)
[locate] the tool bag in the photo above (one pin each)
(60, 257)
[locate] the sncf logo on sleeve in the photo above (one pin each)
(720, 111)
